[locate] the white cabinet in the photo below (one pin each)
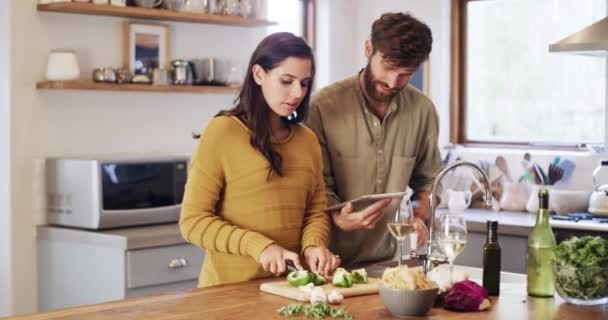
(77, 267)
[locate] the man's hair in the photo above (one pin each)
(403, 40)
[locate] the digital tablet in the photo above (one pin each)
(367, 200)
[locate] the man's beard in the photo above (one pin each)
(371, 82)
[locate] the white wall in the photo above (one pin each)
(63, 123)
(355, 19)
(436, 14)
(5, 205)
(340, 51)
(336, 45)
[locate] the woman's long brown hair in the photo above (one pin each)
(250, 105)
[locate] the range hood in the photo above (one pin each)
(592, 41)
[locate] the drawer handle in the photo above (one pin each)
(178, 263)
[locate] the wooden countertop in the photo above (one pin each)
(245, 301)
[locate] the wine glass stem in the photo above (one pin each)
(400, 244)
(452, 271)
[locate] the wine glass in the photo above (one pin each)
(402, 225)
(452, 237)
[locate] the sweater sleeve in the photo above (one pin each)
(199, 224)
(316, 221)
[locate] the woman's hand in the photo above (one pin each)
(321, 260)
(273, 259)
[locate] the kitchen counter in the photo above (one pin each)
(124, 238)
(245, 301)
(511, 223)
(520, 223)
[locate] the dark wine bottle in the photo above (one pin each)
(491, 260)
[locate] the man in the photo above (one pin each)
(378, 134)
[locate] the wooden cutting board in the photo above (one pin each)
(284, 289)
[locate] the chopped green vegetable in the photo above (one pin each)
(342, 278)
(581, 267)
(319, 310)
(291, 309)
(359, 276)
(317, 279)
(299, 278)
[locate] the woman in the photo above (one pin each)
(255, 194)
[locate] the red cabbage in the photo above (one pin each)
(466, 296)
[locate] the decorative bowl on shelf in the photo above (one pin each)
(581, 285)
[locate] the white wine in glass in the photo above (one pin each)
(402, 225)
(452, 248)
(452, 237)
(400, 230)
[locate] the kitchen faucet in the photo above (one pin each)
(433, 257)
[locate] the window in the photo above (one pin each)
(295, 16)
(508, 87)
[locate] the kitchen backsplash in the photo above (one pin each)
(585, 162)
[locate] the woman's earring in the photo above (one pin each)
(293, 116)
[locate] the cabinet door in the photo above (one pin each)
(155, 266)
(72, 274)
(513, 252)
(162, 289)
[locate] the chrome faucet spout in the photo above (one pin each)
(431, 257)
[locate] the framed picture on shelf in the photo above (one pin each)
(145, 47)
(420, 79)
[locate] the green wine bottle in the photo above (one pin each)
(491, 260)
(541, 243)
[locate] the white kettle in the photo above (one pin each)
(598, 202)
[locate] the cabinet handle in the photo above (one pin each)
(178, 263)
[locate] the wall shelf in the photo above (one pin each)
(151, 14)
(88, 85)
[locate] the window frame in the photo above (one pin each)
(458, 99)
(308, 21)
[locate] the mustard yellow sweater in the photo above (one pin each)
(233, 212)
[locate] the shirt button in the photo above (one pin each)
(379, 151)
(375, 123)
(379, 181)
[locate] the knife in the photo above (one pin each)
(291, 267)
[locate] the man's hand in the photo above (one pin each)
(367, 218)
(321, 260)
(422, 212)
(423, 209)
(422, 232)
(273, 259)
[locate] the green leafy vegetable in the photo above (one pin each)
(291, 309)
(319, 310)
(581, 267)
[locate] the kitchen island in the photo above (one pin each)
(246, 301)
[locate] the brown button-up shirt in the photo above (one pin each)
(365, 155)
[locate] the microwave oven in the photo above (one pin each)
(96, 193)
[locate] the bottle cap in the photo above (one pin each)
(543, 198)
(493, 225)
